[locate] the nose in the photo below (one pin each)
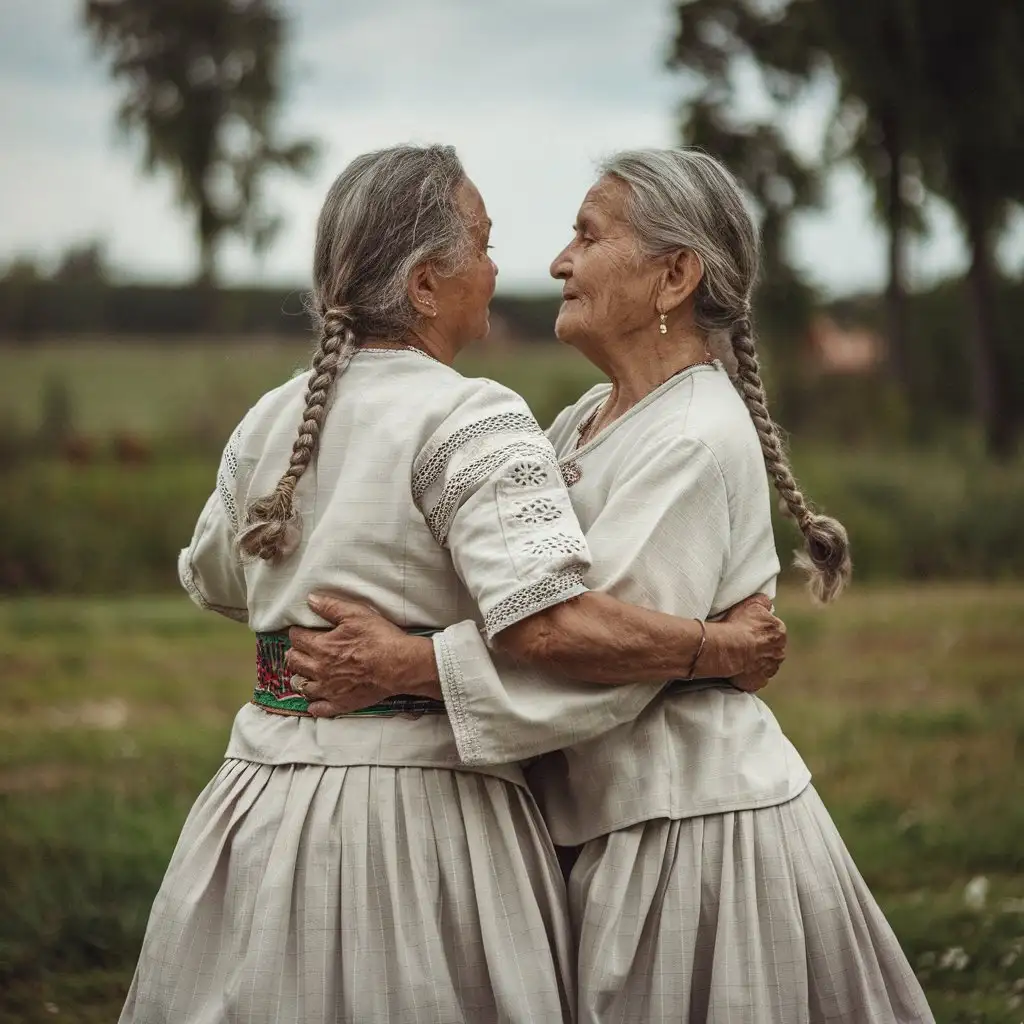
(561, 266)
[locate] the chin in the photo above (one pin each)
(566, 327)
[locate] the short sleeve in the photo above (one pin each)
(488, 485)
(210, 569)
(664, 534)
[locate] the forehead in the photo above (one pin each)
(471, 204)
(605, 200)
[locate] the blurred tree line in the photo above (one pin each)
(928, 98)
(202, 82)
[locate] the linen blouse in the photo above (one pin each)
(433, 497)
(674, 500)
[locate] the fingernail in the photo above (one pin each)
(315, 602)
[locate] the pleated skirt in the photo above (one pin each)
(752, 917)
(329, 895)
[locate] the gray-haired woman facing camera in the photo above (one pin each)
(711, 884)
(353, 869)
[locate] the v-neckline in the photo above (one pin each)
(652, 396)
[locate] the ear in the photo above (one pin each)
(422, 289)
(680, 279)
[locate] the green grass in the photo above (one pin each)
(157, 390)
(905, 701)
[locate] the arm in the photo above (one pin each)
(503, 708)
(209, 568)
(598, 638)
(365, 650)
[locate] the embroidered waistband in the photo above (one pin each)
(274, 693)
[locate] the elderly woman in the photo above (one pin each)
(711, 884)
(355, 870)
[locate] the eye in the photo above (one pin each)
(581, 235)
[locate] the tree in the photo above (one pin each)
(84, 264)
(202, 85)
(868, 49)
(974, 157)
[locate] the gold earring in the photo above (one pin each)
(661, 326)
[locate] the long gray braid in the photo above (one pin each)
(386, 213)
(272, 528)
(826, 558)
(685, 199)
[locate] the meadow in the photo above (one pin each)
(905, 698)
(905, 701)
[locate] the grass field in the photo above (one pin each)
(906, 702)
(153, 389)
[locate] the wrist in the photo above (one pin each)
(416, 667)
(717, 661)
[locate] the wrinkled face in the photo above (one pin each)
(610, 288)
(463, 298)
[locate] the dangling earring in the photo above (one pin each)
(661, 326)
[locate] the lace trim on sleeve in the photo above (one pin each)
(549, 590)
(227, 474)
(439, 516)
(431, 464)
(467, 738)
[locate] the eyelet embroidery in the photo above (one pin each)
(555, 544)
(440, 515)
(528, 473)
(539, 510)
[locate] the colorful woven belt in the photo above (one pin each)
(274, 691)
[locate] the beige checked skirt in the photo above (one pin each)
(752, 917)
(328, 895)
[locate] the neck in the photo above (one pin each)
(638, 364)
(429, 339)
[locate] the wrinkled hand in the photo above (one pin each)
(347, 667)
(760, 639)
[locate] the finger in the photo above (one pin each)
(332, 608)
(311, 688)
(301, 664)
(761, 600)
(303, 639)
(324, 709)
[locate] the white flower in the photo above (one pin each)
(976, 892)
(955, 959)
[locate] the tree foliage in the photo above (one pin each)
(201, 84)
(925, 97)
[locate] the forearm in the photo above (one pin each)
(597, 638)
(415, 668)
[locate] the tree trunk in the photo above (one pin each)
(206, 280)
(992, 411)
(896, 288)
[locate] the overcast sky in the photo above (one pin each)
(532, 92)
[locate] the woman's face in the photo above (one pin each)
(610, 288)
(463, 298)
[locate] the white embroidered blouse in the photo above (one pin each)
(674, 500)
(434, 497)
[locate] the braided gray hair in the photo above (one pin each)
(685, 199)
(386, 213)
